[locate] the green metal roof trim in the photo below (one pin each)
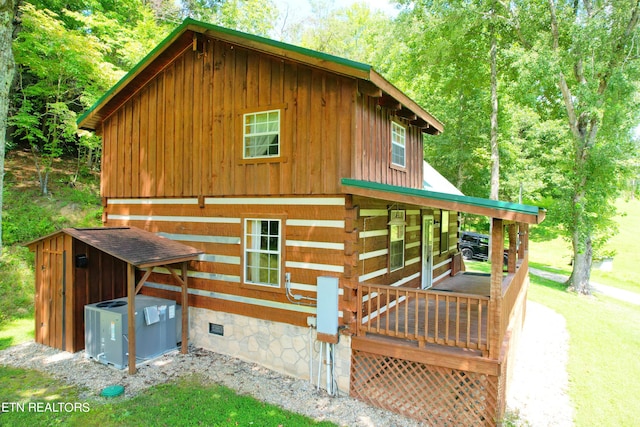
(211, 27)
(313, 53)
(453, 198)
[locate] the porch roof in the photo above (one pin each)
(473, 205)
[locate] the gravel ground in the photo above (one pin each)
(538, 392)
(539, 385)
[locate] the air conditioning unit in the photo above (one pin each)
(157, 322)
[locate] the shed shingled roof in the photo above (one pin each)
(133, 245)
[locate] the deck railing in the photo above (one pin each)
(426, 316)
(512, 287)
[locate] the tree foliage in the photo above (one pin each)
(7, 69)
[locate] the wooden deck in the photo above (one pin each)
(454, 313)
(466, 283)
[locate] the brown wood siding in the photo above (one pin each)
(372, 153)
(181, 134)
(53, 296)
(105, 278)
(374, 245)
(374, 238)
(62, 290)
(313, 240)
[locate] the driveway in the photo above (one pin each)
(610, 291)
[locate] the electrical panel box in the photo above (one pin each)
(157, 323)
(327, 309)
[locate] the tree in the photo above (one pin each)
(444, 61)
(60, 72)
(586, 56)
(7, 67)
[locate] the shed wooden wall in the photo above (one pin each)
(104, 279)
(53, 296)
(181, 135)
(62, 290)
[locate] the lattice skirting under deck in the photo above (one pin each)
(436, 395)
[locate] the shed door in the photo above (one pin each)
(50, 291)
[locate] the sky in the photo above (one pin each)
(301, 8)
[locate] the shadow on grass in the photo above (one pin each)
(549, 284)
(545, 267)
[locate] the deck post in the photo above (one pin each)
(185, 310)
(513, 236)
(495, 301)
(131, 301)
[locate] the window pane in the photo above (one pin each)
(262, 252)
(261, 134)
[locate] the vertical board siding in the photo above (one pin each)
(313, 243)
(373, 147)
(181, 134)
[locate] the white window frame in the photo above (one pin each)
(398, 142)
(396, 237)
(444, 231)
(250, 132)
(252, 228)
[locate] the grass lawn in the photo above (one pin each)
(16, 331)
(186, 402)
(556, 253)
(604, 345)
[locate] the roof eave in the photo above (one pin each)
(502, 210)
(91, 118)
(386, 86)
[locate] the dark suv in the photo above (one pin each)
(475, 246)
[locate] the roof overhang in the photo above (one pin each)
(473, 205)
(185, 37)
(131, 245)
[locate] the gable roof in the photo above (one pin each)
(433, 181)
(186, 34)
(131, 245)
(473, 205)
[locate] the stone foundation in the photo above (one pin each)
(278, 346)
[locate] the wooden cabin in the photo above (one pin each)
(285, 167)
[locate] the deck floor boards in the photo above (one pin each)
(409, 318)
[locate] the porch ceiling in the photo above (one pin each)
(472, 205)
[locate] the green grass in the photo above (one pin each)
(555, 254)
(603, 350)
(188, 401)
(16, 331)
(603, 354)
(17, 284)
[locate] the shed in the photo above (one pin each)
(76, 267)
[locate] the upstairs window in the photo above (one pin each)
(261, 134)
(262, 252)
(398, 138)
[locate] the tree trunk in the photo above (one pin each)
(7, 69)
(495, 153)
(583, 256)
